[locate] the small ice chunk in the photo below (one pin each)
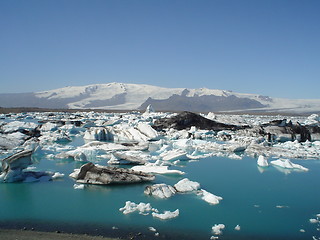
(262, 161)
(78, 186)
(166, 215)
(57, 175)
(302, 230)
(152, 229)
(313, 220)
(282, 206)
(209, 197)
(185, 185)
(217, 229)
(142, 208)
(156, 169)
(214, 238)
(237, 228)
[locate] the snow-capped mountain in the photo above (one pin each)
(122, 96)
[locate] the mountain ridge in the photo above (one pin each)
(129, 96)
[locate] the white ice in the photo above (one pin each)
(287, 164)
(217, 229)
(142, 208)
(150, 168)
(160, 190)
(166, 215)
(185, 185)
(262, 161)
(209, 197)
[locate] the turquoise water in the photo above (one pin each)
(250, 199)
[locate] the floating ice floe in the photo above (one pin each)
(49, 127)
(166, 214)
(160, 190)
(146, 209)
(287, 164)
(18, 125)
(209, 197)
(152, 229)
(237, 228)
(12, 140)
(313, 220)
(57, 175)
(60, 137)
(151, 168)
(128, 158)
(185, 185)
(98, 134)
(147, 130)
(262, 161)
(78, 186)
(217, 229)
(90, 173)
(141, 208)
(173, 155)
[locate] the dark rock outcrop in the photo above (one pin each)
(186, 120)
(103, 175)
(287, 131)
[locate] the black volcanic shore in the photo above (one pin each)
(10, 234)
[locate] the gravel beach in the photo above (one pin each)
(31, 235)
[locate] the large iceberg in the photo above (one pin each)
(90, 173)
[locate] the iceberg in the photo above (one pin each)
(237, 228)
(174, 155)
(185, 185)
(313, 220)
(148, 131)
(98, 134)
(287, 164)
(166, 215)
(128, 158)
(209, 197)
(142, 208)
(262, 161)
(102, 175)
(78, 186)
(57, 175)
(217, 229)
(160, 190)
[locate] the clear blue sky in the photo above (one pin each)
(269, 47)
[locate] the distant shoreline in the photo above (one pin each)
(31, 109)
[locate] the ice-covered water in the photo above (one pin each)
(271, 203)
(258, 202)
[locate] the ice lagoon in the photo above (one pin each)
(257, 202)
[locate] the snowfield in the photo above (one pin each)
(115, 96)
